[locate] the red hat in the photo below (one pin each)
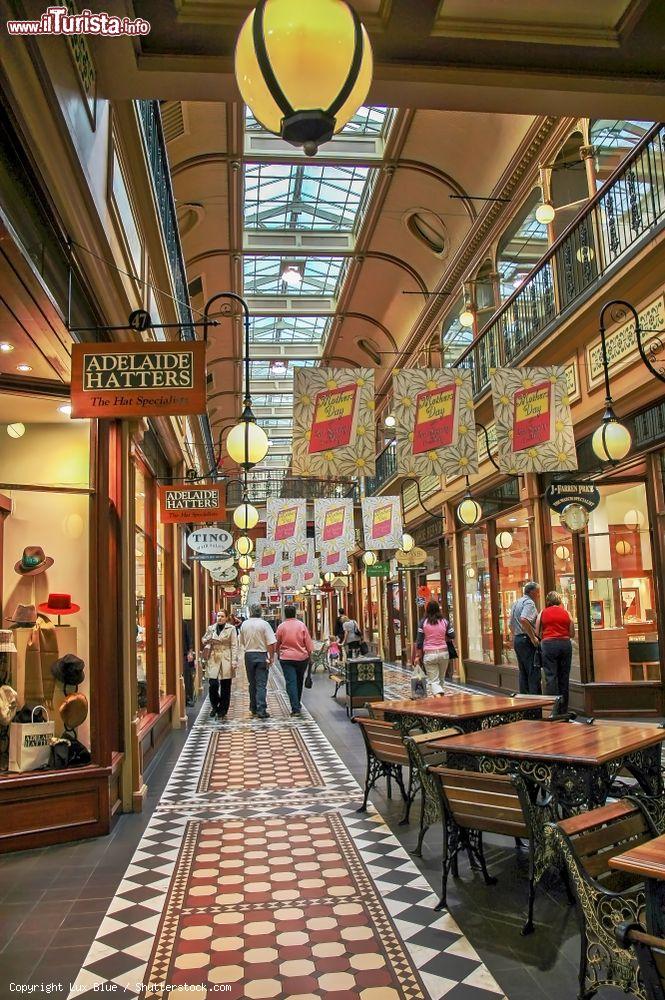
(59, 604)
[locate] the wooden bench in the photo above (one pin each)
(586, 843)
(386, 756)
(423, 756)
(474, 803)
(339, 677)
(650, 954)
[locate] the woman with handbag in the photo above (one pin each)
(220, 644)
(434, 634)
(294, 649)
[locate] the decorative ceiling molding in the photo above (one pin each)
(375, 14)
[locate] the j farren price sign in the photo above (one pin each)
(138, 380)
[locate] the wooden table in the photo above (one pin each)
(575, 762)
(467, 711)
(648, 862)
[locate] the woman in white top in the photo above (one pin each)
(221, 643)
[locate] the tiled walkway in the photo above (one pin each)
(257, 878)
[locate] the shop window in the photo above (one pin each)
(45, 557)
(161, 610)
(622, 599)
(513, 558)
(141, 548)
(561, 558)
(475, 560)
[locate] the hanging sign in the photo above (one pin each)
(534, 427)
(409, 560)
(334, 561)
(138, 380)
(382, 522)
(210, 541)
(225, 575)
(286, 522)
(333, 422)
(434, 422)
(559, 495)
(184, 504)
(216, 565)
(333, 524)
(379, 569)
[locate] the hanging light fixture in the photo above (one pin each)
(545, 213)
(470, 572)
(369, 558)
(245, 516)
(303, 69)
(467, 316)
(247, 443)
(16, 430)
(562, 552)
(408, 542)
(245, 562)
(390, 421)
(244, 545)
(623, 548)
(329, 577)
(633, 518)
(469, 511)
(292, 274)
(585, 254)
(349, 569)
(245, 579)
(611, 441)
(504, 540)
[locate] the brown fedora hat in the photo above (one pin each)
(74, 710)
(34, 560)
(25, 614)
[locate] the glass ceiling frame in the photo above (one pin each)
(321, 275)
(303, 197)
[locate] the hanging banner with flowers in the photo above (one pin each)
(382, 522)
(333, 525)
(334, 561)
(534, 427)
(311, 574)
(286, 522)
(301, 556)
(268, 562)
(434, 422)
(333, 422)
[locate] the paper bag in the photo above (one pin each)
(30, 744)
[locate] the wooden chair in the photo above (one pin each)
(604, 895)
(650, 954)
(338, 677)
(423, 756)
(386, 756)
(474, 803)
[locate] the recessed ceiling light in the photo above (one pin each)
(66, 408)
(24, 368)
(6, 348)
(512, 519)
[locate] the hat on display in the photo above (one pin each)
(34, 560)
(8, 704)
(6, 641)
(74, 710)
(25, 615)
(59, 604)
(69, 669)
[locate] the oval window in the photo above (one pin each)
(429, 229)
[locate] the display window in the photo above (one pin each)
(45, 505)
(561, 549)
(514, 569)
(140, 549)
(622, 600)
(478, 604)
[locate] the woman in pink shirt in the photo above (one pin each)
(432, 646)
(294, 648)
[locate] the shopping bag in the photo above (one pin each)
(30, 743)
(418, 682)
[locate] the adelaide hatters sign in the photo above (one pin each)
(138, 380)
(196, 504)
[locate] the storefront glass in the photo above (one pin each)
(44, 541)
(513, 557)
(140, 549)
(161, 609)
(622, 601)
(477, 594)
(561, 559)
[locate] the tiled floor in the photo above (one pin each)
(252, 870)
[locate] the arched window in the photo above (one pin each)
(429, 229)
(522, 245)
(612, 141)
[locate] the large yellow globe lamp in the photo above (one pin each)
(247, 444)
(245, 562)
(469, 511)
(245, 580)
(303, 67)
(408, 542)
(245, 516)
(244, 545)
(369, 558)
(611, 441)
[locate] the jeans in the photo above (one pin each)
(435, 665)
(294, 675)
(557, 658)
(256, 665)
(525, 651)
(352, 650)
(219, 691)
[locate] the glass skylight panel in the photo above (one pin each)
(282, 196)
(288, 329)
(367, 121)
(319, 276)
(272, 399)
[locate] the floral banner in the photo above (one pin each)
(311, 574)
(301, 556)
(286, 522)
(268, 562)
(334, 561)
(333, 525)
(434, 422)
(333, 422)
(534, 428)
(382, 522)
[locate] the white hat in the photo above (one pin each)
(6, 641)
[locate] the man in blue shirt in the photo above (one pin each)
(523, 615)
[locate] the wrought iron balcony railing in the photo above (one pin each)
(623, 213)
(386, 468)
(262, 485)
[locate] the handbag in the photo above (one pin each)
(418, 682)
(30, 743)
(308, 675)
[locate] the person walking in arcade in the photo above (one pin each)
(221, 644)
(257, 641)
(294, 649)
(434, 634)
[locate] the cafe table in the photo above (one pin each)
(466, 711)
(647, 862)
(574, 762)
